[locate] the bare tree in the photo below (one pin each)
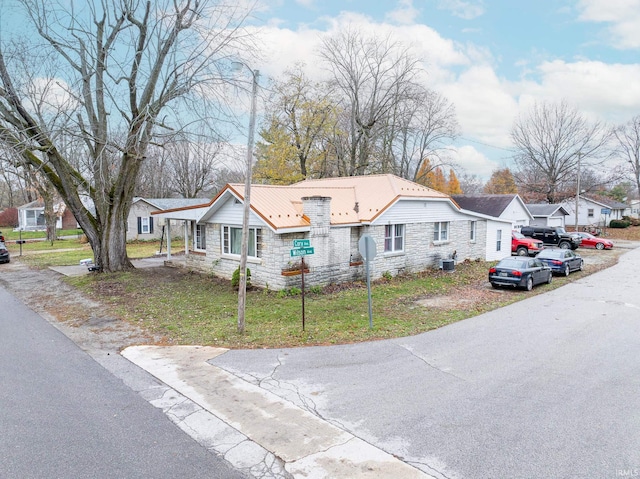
(372, 74)
(628, 146)
(124, 63)
(155, 179)
(194, 166)
(422, 126)
(551, 141)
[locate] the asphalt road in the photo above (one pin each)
(62, 415)
(546, 388)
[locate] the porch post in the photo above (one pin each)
(187, 225)
(168, 238)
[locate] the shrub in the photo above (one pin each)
(9, 217)
(619, 224)
(235, 278)
(631, 220)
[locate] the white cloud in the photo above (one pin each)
(405, 14)
(51, 95)
(474, 162)
(486, 109)
(463, 9)
(623, 17)
(284, 47)
(604, 91)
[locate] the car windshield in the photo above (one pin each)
(560, 231)
(517, 235)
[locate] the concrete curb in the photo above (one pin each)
(309, 446)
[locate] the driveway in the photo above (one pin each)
(544, 388)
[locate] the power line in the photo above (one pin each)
(511, 150)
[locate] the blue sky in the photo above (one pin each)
(491, 58)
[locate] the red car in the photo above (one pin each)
(524, 246)
(590, 241)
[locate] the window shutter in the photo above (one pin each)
(139, 225)
(150, 224)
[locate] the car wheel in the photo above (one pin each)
(550, 278)
(564, 245)
(522, 251)
(529, 285)
(599, 245)
(567, 270)
(581, 265)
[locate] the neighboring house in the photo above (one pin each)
(594, 211)
(140, 223)
(413, 227)
(506, 207)
(633, 209)
(31, 216)
(547, 215)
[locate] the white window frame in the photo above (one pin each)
(498, 240)
(394, 238)
(590, 213)
(200, 238)
(144, 225)
(440, 231)
(472, 231)
(255, 240)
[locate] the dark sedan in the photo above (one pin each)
(561, 261)
(519, 272)
(4, 254)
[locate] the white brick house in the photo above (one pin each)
(414, 227)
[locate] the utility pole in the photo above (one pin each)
(244, 249)
(578, 190)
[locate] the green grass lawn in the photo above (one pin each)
(64, 252)
(192, 308)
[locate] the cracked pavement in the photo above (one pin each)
(542, 388)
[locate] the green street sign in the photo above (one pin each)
(301, 251)
(301, 243)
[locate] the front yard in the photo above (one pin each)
(181, 307)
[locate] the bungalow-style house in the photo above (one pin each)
(594, 211)
(413, 227)
(140, 223)
(31, 216)
(547, 215)
(507, 207)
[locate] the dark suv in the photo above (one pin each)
(556, 236)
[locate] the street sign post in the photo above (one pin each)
(367, 248)
(301, 247)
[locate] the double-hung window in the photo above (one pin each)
(441, 231)
(201, 237)
(232, 241)
(498, 240)
(472, 230)
(393, 238)
(145, 225)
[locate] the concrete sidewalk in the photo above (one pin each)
(81, 270)
(298, 443)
